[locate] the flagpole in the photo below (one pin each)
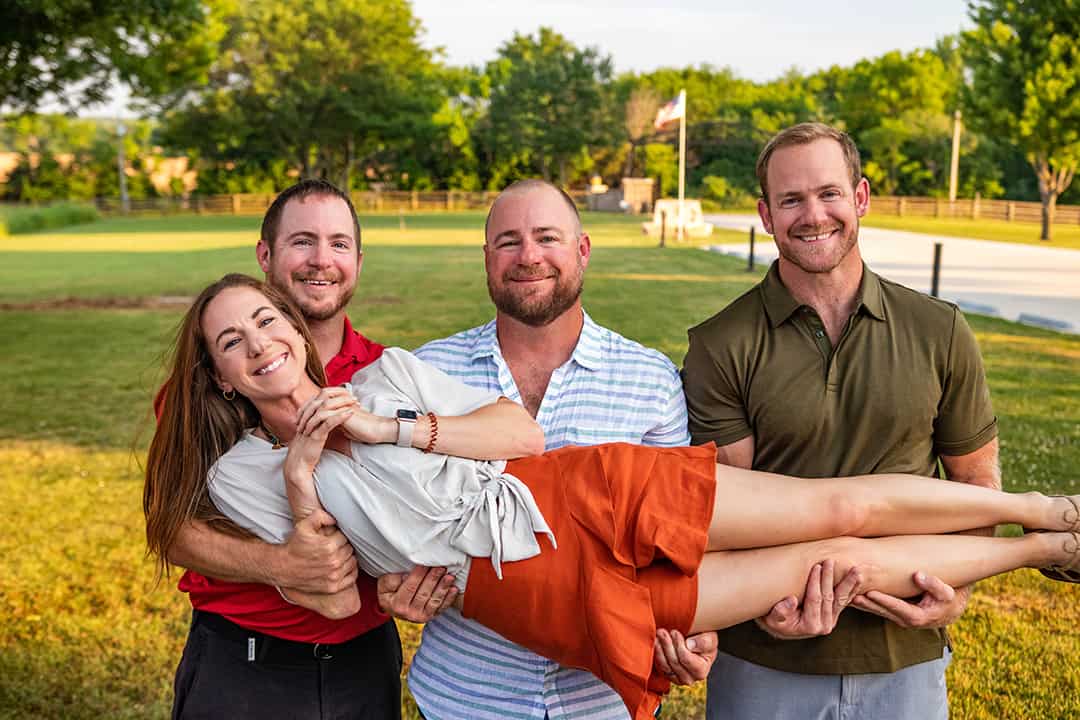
(682, 170)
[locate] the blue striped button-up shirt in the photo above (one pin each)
(610, 390)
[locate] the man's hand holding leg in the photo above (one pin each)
(821, 606)
(417, 596)
(939, 605)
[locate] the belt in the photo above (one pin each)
(267, 649)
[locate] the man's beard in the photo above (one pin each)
(848, 238)
(537, 311)
(318, 312)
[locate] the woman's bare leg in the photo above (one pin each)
(738, 585)
(756, 509)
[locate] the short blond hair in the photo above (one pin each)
(804, 134)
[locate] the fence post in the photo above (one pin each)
(235, 204)
(935, 278)
(975, 206)
(450, 200)
(750, 259)
(937, 207)
(900, 207)
(414, 200)
(1010, 211)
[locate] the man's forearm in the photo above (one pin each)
(225, 557)
(982, 468)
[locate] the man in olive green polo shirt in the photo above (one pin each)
(825, 369)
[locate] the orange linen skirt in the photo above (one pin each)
(631, 524)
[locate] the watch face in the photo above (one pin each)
(406, 415)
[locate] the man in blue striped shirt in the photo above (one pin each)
(584, 384)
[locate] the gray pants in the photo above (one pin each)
(739, 690)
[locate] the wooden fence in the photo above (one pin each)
(972, 209)
(367, 201)
(439, 200)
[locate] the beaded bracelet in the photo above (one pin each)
(434, 432)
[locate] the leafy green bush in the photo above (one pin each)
(32, 219)
(724, 193)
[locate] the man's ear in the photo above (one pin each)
(765, 215)
(262, 254)
(862, 197)
(584, 248)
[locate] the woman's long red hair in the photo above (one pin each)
(197, 425)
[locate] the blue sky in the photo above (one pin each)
(758, 39)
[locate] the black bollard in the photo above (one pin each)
(935, 279)
(750, 262)
(663, 228)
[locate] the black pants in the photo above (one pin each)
(229, 672)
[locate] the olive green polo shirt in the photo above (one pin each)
(903, 386)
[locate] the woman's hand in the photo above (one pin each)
(314, 425)
(360, 426)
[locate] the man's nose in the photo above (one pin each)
(815, 212)
(530, 253)
(319, 255)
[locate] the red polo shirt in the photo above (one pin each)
(260, 607)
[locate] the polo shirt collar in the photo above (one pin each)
(588, 353)
(352, 346)
(871, 294)
(781, 305)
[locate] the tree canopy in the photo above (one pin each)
(70, 51)
(1024, 60)
(334, 86)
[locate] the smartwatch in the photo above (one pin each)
(406, 423)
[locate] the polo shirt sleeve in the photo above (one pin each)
(670, 431)
(965, 421)
(715, 405)
(430, 388)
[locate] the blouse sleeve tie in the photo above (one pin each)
(500, 521)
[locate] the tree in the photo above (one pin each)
(549, 102)
(640, 111)
(71, 50)
(332, 87)
(1024, 86)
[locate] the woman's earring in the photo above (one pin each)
(229, 395)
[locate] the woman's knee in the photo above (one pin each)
(846, 516)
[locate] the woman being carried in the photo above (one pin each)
(583, 552)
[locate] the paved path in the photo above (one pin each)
(1032, 284)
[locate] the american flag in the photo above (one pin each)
(674, 109)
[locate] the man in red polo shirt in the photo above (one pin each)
(254, 647)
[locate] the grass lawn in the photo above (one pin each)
(1065, 236)
(87, 634)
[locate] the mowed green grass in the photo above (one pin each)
(87, 634)
(1025, 233)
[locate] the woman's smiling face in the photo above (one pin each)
(256, 350)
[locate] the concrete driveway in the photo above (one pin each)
(1031, 284)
